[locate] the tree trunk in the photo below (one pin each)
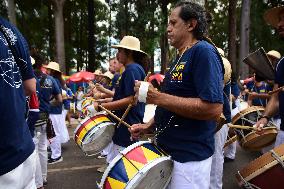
(59, 33)
(91, 39)
(233, 35)
(11, 12)
(244, 47)
(164, 38)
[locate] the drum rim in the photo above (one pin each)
(260, 164)
(131, 182)
(252, 135)
(93, 130)
(247, 111)
(86, 119)
(118, 157)
(84, 128)
(232, 140)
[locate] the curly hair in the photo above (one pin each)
(189, 11)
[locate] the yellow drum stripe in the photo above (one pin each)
(116, 184)
(130, 169)
(88, 127)
(150, 155)
(137, 164)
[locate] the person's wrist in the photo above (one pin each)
(265, 117)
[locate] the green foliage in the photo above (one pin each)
(262, 35)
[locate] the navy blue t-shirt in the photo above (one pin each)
(57, 109)
(264, 88)
(198, 74)
(66, 102)
(16, 143)
(126, 88)
(279, 79)
(235, 92)
(114, 81)
(48, 88)
(226, 105)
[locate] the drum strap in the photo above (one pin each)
(277, 157)
(247, 185)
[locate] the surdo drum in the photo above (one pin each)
(265, 172)
(141, 165)
(94, 133)
(248, 139)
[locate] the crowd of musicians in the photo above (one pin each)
(197, 89)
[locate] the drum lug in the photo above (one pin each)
(247, 185)
(277, 157)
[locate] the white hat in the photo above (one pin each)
(271, 16)
(108, 74)
(53, 66)
(129, 42)
(274, 54)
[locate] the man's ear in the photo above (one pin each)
(191, 25)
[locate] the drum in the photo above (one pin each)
(94, 133)
(265, 172)
(248, 139)
(231, 138)
(140, 165)
(220, 122)
(87, 101)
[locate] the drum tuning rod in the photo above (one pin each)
(114, 116)
(276, 90)
(241, 127)
(131, 104)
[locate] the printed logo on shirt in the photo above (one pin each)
(176, 74)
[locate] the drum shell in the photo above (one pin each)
(264, 172)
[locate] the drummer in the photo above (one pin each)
(190, 99)
(134, 59)
(275, 17)
(257, 91)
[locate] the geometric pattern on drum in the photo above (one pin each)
(126, 168)
(88, 126)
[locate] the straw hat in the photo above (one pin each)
(274, 54)
(271, 16)
(53, 66)
(221, 52)
(32, 60)
(228, 70)
(98, 72)
(131, 43)
(108, 74)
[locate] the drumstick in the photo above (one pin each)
(276, 90)
(131, 104)
(241, 127)
(114, 116)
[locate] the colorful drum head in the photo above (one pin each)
(141, 165)
(94, 133)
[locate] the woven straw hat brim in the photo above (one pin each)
(129, 48)
(52, 68)
(271, 16)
